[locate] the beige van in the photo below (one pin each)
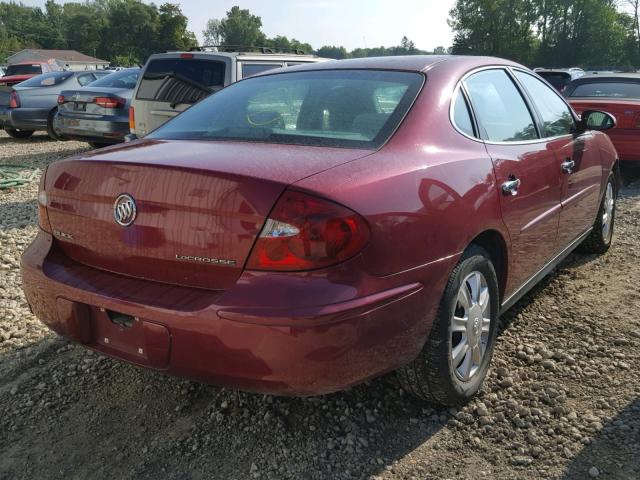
(172, 82)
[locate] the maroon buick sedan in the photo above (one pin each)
(305, 230)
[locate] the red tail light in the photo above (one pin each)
(187, 56)
(132, 120)
(305, 232)
(61, 99)
(108, 102)
(14, 100)
(43, 201)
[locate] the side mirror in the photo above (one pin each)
(596, 120)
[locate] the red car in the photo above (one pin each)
(305, 230)
(618, 94)
(20, 72)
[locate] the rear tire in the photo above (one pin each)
(445, 371)
(50, 130)
(599, 240)
(18, 133)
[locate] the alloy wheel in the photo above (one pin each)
(470, 326)
(607, 213)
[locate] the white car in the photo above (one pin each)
(172, 82)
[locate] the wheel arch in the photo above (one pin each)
(617, 175)
(495, 245)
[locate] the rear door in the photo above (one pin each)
(527, 172)
(578, 158)
(171, 83)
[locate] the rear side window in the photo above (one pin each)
(85, 79)
(499, 107)
(555, 114)
(121, 79)
(46, 79)
(342, 108)
(607, 89)
(461, 115)
(249, 69)
(180, 80)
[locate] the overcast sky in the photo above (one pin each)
(351, 23)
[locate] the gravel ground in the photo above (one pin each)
(562, 399)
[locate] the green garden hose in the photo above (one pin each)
(15, 176)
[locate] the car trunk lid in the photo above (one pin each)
(11, 80)
(83, 102)
(199, 205)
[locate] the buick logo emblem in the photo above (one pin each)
(124, 210)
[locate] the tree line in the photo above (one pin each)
(550, 33)
(122, 31)
(126, 32)
(241, 27)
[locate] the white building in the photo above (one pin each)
(65, 59)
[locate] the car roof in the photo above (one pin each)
(608, 77)
(413, 63)
(564, 70)
(614, 74)
(244, 55)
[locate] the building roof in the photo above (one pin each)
(67, 56)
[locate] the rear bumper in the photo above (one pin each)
(23, 118)
(101, 130)
(288, 349)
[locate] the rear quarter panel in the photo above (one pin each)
(426, 194)
(608, 156)
(41, 97)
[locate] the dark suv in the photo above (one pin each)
(560, 77)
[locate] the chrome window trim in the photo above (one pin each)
(534, 279)
(454, 96)
(460, 84)
(553, 90)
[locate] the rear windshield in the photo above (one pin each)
(341, 108)
(46, 79)
(122, 79)
(607, 89)
(558, 79)
(180, 80)
(23, 70)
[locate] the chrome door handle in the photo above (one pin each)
(567, 165)
(511, 186)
